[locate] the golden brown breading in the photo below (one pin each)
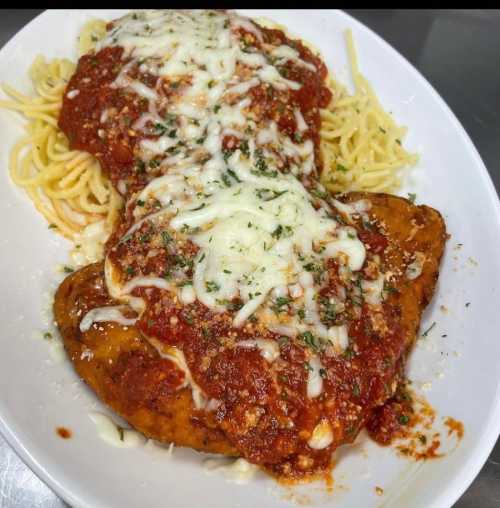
(126, 372)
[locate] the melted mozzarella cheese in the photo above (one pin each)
(176, 356)
(102, 314)
(356, 208)
(252, 228)
(269, 349)
(299, 119)
(372, 290)
(414, 269)
(91, 243)
(237, 471)
(241, 254)
(287, 53)
(314, 379)
(188, 295)
(351, 246)
(322, 436)
(337, 335)
(137, 282)
(115, 435)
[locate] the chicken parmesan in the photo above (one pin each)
(240, 308)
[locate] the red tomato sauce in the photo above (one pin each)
(263, 408)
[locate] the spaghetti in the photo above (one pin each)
(361, 144)
(66, 186)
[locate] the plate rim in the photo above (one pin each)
(471, 467)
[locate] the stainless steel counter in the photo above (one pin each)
(457, 51)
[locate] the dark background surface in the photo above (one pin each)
(458, 53)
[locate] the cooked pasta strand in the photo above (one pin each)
(361, 145)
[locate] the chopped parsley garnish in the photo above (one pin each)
(140, 166)
(226, 153)
(283, 341)
(349, 353)
(356, 390)
(226, 180)
(269, 195)
(308, 367)
(404, 419)
(198, 207)
(186, 229)
(234, 306)
(269, 174)
(310, 340)
(389, 289)
(279, 303)
(173, 150)
(159, 129)
(181, 261)
(429, 329)
(342, 168)
(211, 286)
(121, 432)
(68, 269)
(217, 108)
(234, 175)
(129, 270)
(412, 196)
(312, 267)
(188, 317)
(245, 150)
(329, 312)
(47, 335)
(140, 202)
(166, 237)
(283, 71)
(277, 232)
(319, 194)
(261, 165)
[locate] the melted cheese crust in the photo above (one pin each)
(255, 227)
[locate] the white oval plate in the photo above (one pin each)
(39, 394)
